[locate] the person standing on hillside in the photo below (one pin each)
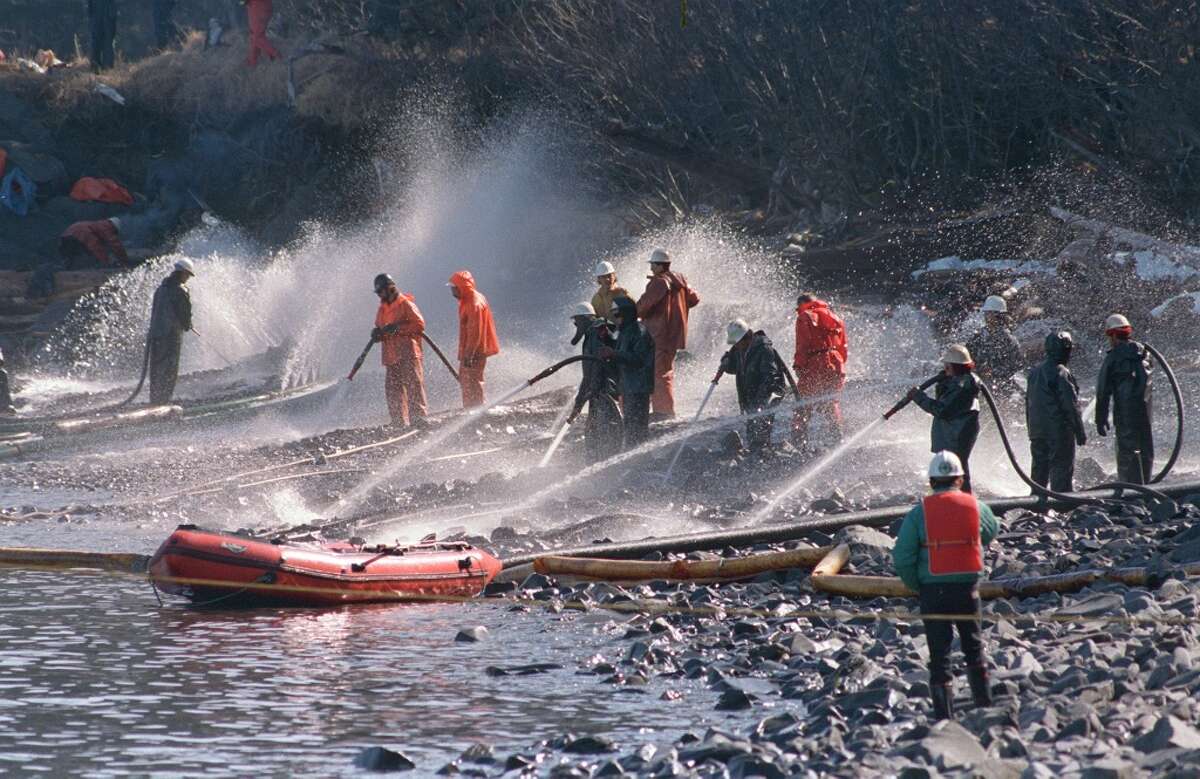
(170, 318)
(939, 555)
(477, 339)
(758, 369)
(399, 327)
(634, 356)
(1052, 416)
(606, 279)
(664, 308)
(598, 388)
(258, 16)
(102, 21)
(1125, 384)
(820, 365)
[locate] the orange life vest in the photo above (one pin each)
(952, 533)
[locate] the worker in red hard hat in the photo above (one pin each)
(1124, 382)
(477, 339)
(399, 327)
(85, 244)
(954, 407)
(939, 555)
(820, 365)
(663, 309)
(258, 15)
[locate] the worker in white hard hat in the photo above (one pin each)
(663, 308)
(939, 555)
(170, 318)
(758, 369)
(954, 407)
(598, 386)
(607, 291)
(997, 352)
(1125, 384)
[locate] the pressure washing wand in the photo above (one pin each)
(891, 412)
(361, 358)
(712, 386)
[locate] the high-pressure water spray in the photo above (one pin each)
(712, 386)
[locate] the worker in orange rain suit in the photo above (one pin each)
(820, 365)
(476, 336)
(663, 309)
(258, 15)
(399, 327)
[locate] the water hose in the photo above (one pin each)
(441, 356)
(556, 367)
(361, 358)
(1044, 491)
(891, 412)
(141, 379)
(1178, 395)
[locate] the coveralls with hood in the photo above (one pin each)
(598, 389)
(939, 555)
(399, 325)
(170, 318)
(102, 19)
(1124, 382)
(634, 355)
(99, 239)
(820, 365)
(758, 369)
(258, 16)
(955, 410)
(477, 339)
(664, 308)
(1052, 414)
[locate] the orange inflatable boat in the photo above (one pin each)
(212, 567)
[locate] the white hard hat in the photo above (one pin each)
(736, 331)
(116, 223)
(659, 255)
(945, 465)
(1114, 321)
(995, 305)
(185, 265)
(957, 354)
(583, 309)
(605, 268)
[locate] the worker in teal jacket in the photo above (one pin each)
(939, 555)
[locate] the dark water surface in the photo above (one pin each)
(97, 680)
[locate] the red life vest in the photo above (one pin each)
(952, 533)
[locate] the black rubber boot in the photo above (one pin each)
(981, 691)
(943, 701)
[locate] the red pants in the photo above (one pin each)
(830, 411)
(662, 400)
(258, 14)
(471, 380)
(405, 388)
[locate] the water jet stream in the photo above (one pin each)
(560, 420)
(679, 449)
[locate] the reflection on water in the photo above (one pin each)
(96, 679)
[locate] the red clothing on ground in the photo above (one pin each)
(258, 14)
(476, 337)
(820, 359)
(99, 238)
(405, 389)
(405, 342)
(101, 191)
(663, 309)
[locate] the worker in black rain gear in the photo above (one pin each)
(758, 369)
(996, 350)
(954, 407)
(634, 358)
(1052, 414)
(170, 318)
(1124, 382)
(598, 387)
